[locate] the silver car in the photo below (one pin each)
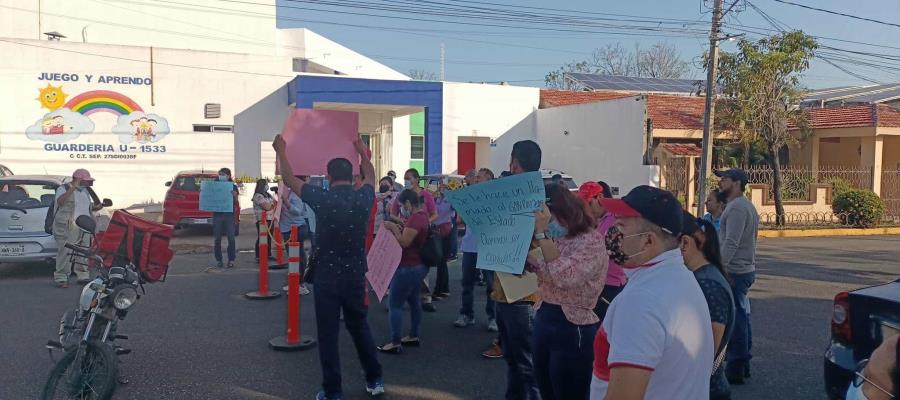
(24, 201)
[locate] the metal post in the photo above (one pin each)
(708, 116)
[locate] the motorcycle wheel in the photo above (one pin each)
(94, 379)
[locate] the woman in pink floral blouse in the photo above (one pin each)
(571, 274)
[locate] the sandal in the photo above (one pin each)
(411, 341)
(390, 348)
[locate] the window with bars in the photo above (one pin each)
(417, 147)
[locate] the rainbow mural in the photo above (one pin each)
(94, 101)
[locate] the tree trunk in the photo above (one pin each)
(745, 163)
(775, 163)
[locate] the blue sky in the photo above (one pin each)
(524, 56)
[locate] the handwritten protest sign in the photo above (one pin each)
(314, 137)
(215, 196)
(383, 259)
(501, 215)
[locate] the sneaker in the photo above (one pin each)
(322, 396)
(375, 388)
(493, 352)
(464, 321)
(429, 307)
(303, 290)
(230, 264)
(492, 325)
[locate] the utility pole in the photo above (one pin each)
(708, 137)
(442, 62)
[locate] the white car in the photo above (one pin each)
(24, 202)
(549, 175)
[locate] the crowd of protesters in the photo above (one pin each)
(636, 298)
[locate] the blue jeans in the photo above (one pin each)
(331, 296)
(515, 323)
(405, 289)
(468, 284)
(223, 223)
(563, 355)
(741, 338)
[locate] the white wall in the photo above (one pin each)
(480, 110)
(400, 145)
(526, 129)
(126, 181)
(177, 95)
(203, 25)
(323, 51)
(604, 142)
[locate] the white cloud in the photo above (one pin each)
(59, 126)
(141, 128)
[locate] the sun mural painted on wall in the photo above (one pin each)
(67, 120)
(52, 97)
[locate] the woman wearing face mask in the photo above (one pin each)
(715, 205)
(444, 223)
(224, 223)
(592, 193)
(411, 182)
(700, 249)
(880, 376)
(263, 201)
(383, 201)
(410, 273)
(570, 279)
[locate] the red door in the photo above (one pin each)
(465, 159)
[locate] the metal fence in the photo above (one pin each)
(796, 181)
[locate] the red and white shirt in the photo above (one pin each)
(660, 323)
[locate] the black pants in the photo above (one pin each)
(442, 280)
(609, 293)
(268, 238)
(332, 296)
(515, 323)
(563, 355)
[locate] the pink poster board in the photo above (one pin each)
(383, 259)
(315, 137)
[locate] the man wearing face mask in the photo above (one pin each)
(224, 224)
(655, 342)
(72, 201)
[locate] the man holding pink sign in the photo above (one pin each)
(342, 214)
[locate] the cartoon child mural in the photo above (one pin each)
(60, 126)
(138, 127)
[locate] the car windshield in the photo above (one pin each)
(190, 183)
(26, 195)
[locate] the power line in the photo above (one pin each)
(839, 13)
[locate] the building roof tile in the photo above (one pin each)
(682, 149)
(666, 111)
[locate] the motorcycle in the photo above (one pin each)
(89, 367)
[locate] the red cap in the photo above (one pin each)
(619, 208)
(590, 190)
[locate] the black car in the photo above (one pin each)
(860, 321)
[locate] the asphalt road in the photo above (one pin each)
(196, 337)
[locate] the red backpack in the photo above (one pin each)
(143, 242)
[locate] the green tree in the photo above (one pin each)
(760, 92)
(557, 79)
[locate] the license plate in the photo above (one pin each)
(201, 221)
(15, 249)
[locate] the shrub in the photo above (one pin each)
(858, 208)
(839, 186)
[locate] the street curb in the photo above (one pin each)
(828, 232)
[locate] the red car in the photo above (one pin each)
(182, 205)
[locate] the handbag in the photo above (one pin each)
(445, 229)
(432, 250)
(311, 264)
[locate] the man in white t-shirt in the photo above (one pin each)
(72, 201)
(656, 341)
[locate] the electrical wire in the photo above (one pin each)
(839, 13)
